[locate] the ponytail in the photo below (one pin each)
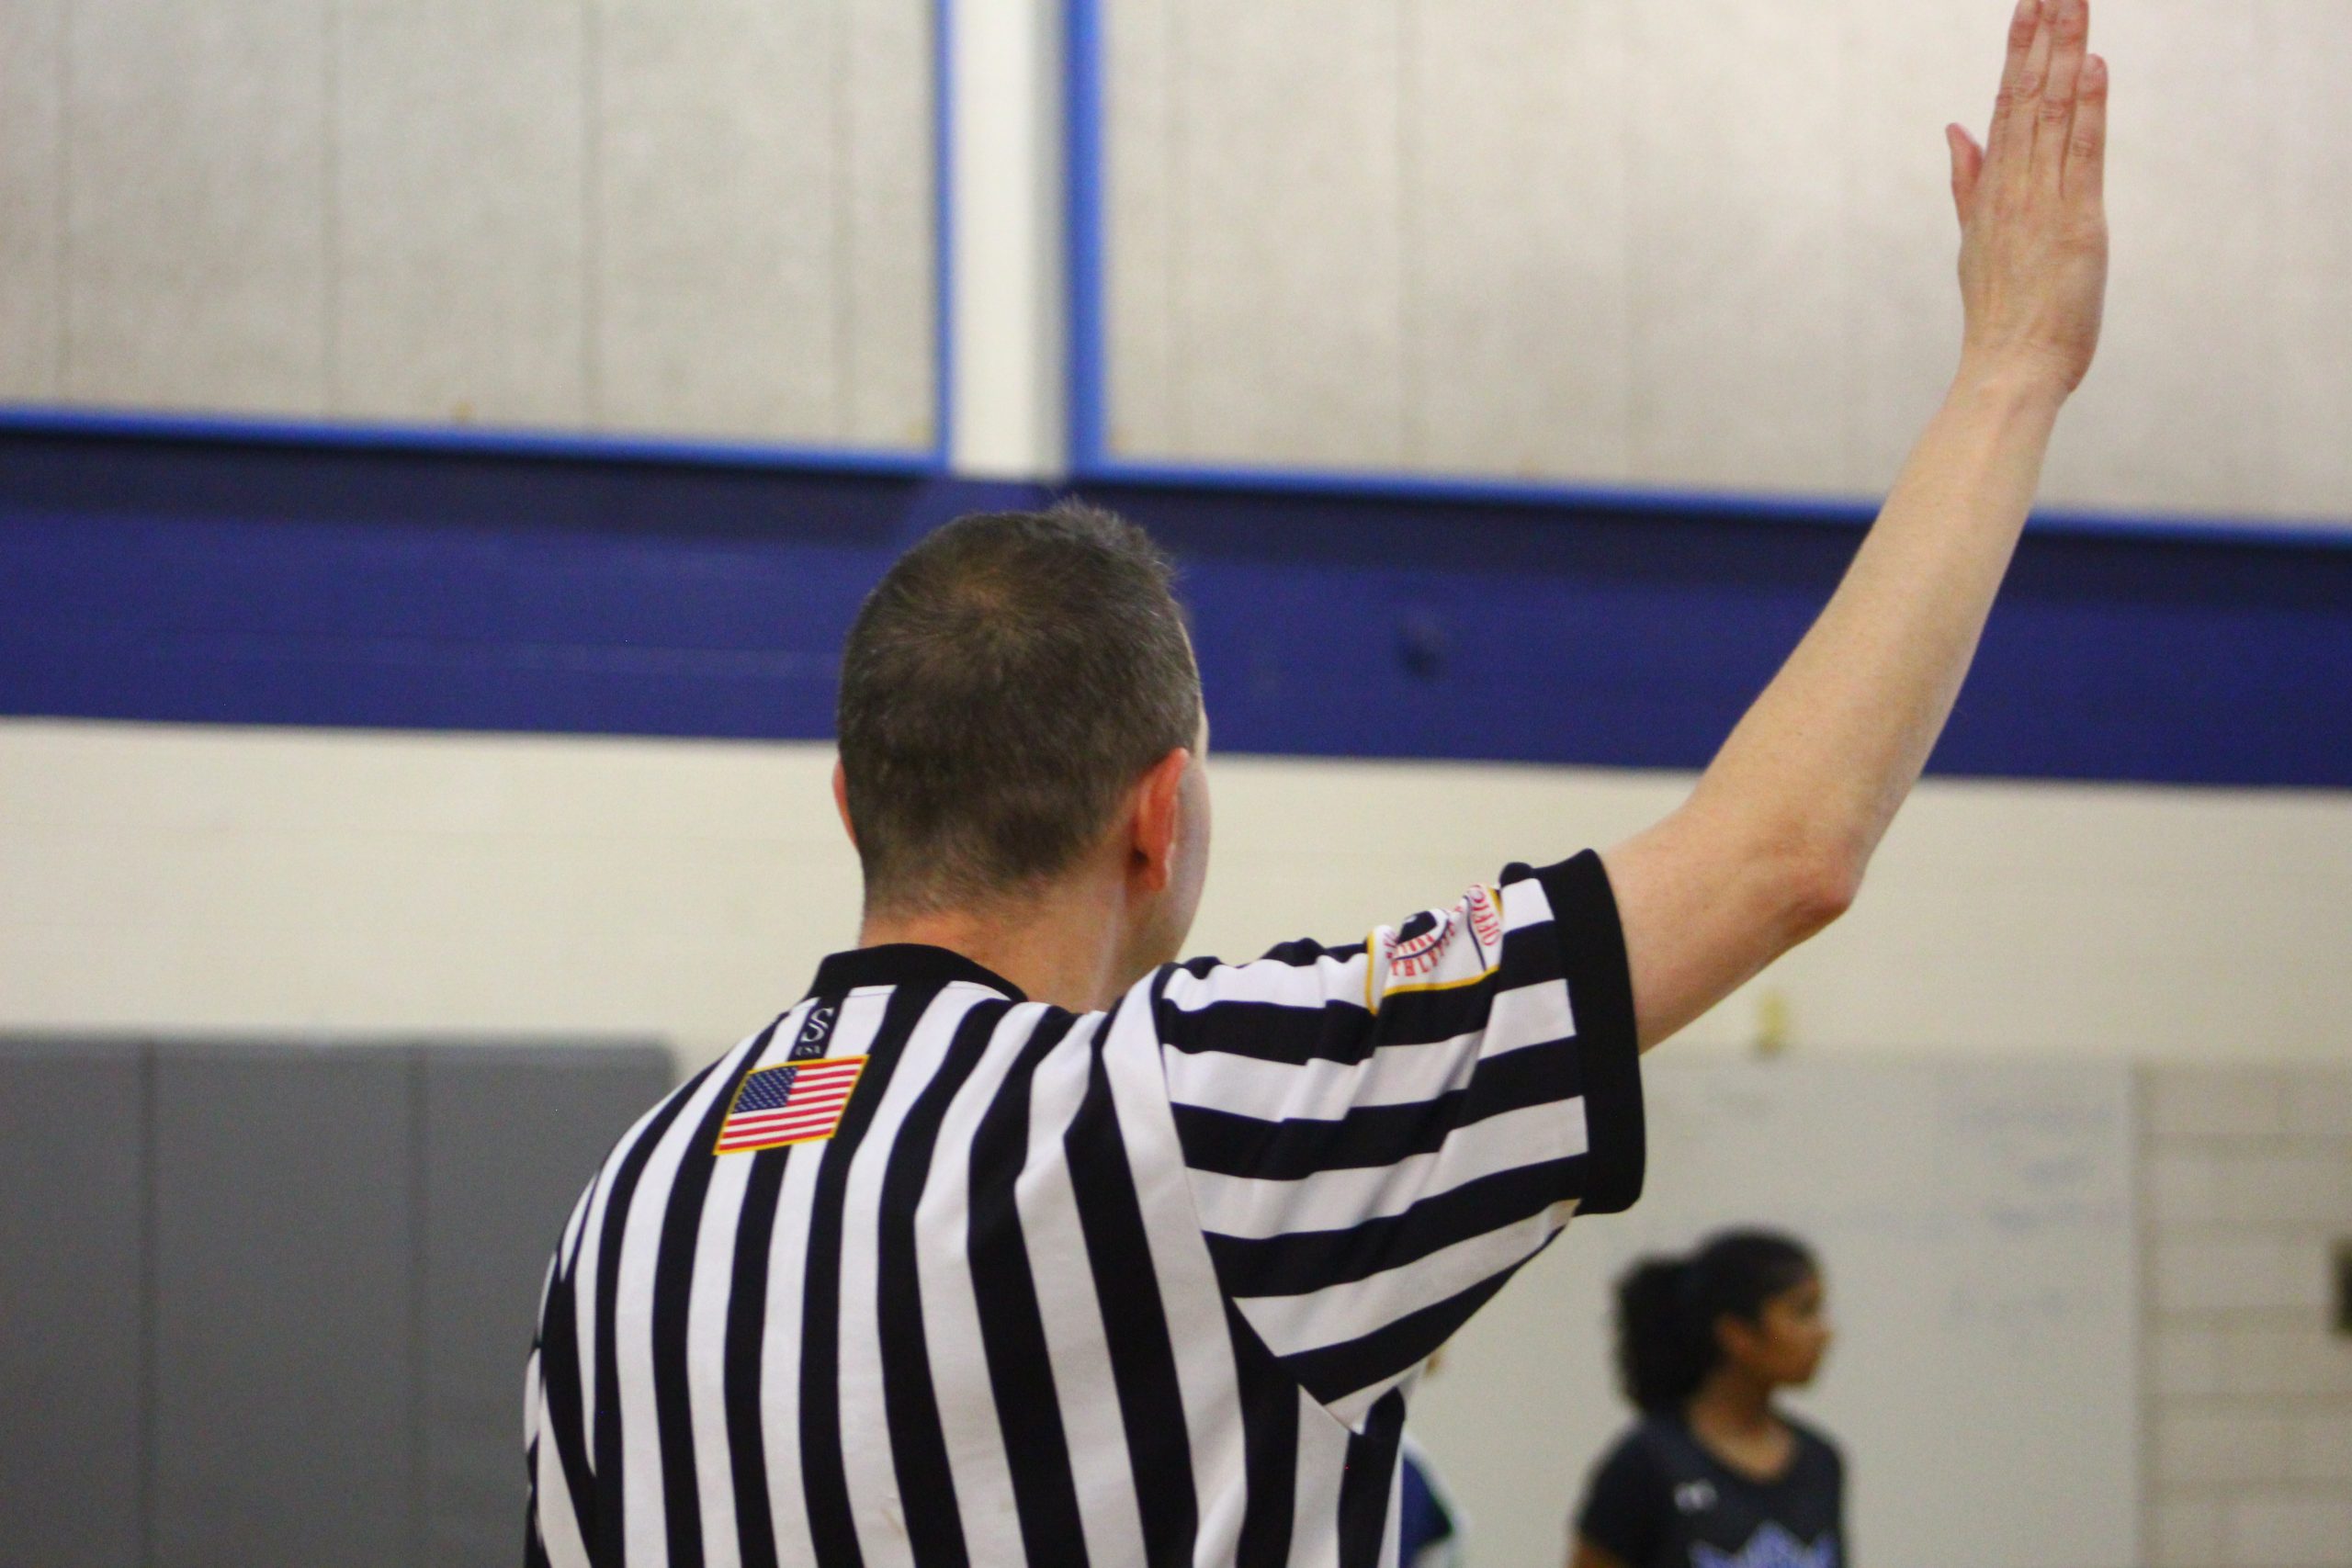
(1667, 1309)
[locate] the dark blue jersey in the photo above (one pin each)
(1660, 1499)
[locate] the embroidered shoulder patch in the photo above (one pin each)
(798, 1102)
(1437, 949)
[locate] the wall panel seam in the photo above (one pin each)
(591, 214)
(148, 1316)
(842, 316)
(419, 1287)
(64, 347)
(331, 291)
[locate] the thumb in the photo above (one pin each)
(1967, 165)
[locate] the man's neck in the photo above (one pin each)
(1060, 951)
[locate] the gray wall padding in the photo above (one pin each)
(489, 1127)
(267, 1303)
(285, 1358)
(71, 1189)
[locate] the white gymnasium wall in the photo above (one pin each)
(313, 880)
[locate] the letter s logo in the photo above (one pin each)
(819, 1024)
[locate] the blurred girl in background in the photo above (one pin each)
(1713, 1475)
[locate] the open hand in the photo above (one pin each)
(2033, 205)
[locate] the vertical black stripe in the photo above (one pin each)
(1608, 1041)
(568, 1257)
(1012, 1326)
(534, 1415)
(1269, 1447)
(1135, 1323)
(1370, 1477)
(747, 1312)
(603, 1531)
(910, 1397)
(559, 1375)
(673, 1273)
(746, 1322)
(832, 1528)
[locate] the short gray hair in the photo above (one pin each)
(1002, 687)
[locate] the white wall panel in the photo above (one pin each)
(718, 227)
(32, 171)
(1740, 293)
(1730, 219)
(1291, 181)
(708, 221)
(1516, 238)
(459, 161)
(885, 282)
(1910, 70)
(2309, 64)
(1140, 147)
(2180, 411)
(196, 202)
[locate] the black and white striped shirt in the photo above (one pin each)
(1143, 1286)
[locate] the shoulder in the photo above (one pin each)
(1817, 1448)
(1294, 973)
(1642, 1455)
(1629, 1497)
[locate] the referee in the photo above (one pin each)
(1015, 1241)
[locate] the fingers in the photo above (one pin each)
(1967, 168)
(2086, 147)
(2021, 78)
(2069, 32)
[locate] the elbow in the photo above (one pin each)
(1818, 883)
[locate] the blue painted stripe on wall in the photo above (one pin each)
(183, 581)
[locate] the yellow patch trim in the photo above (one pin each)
(1486, 974)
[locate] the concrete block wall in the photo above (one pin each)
(2246, 1178)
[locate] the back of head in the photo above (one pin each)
(1002, 687)
(1667, 1309)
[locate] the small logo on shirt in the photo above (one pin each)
(798, 1104)
(819, 1024)
(1694, 1496)
(1769, 1547)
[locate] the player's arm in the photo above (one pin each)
(1771, 844)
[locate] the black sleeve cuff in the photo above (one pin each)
(1609, 1052)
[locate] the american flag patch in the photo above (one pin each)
(797, 1103)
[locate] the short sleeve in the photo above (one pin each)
(1377, 1136)
(1626, 1504)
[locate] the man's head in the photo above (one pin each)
(1019, 705)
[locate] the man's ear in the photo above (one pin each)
(841, 801)
(1153, 821)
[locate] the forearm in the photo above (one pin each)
(1822, 761)
(1770, 846)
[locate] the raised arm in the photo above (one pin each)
(1771, 844)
